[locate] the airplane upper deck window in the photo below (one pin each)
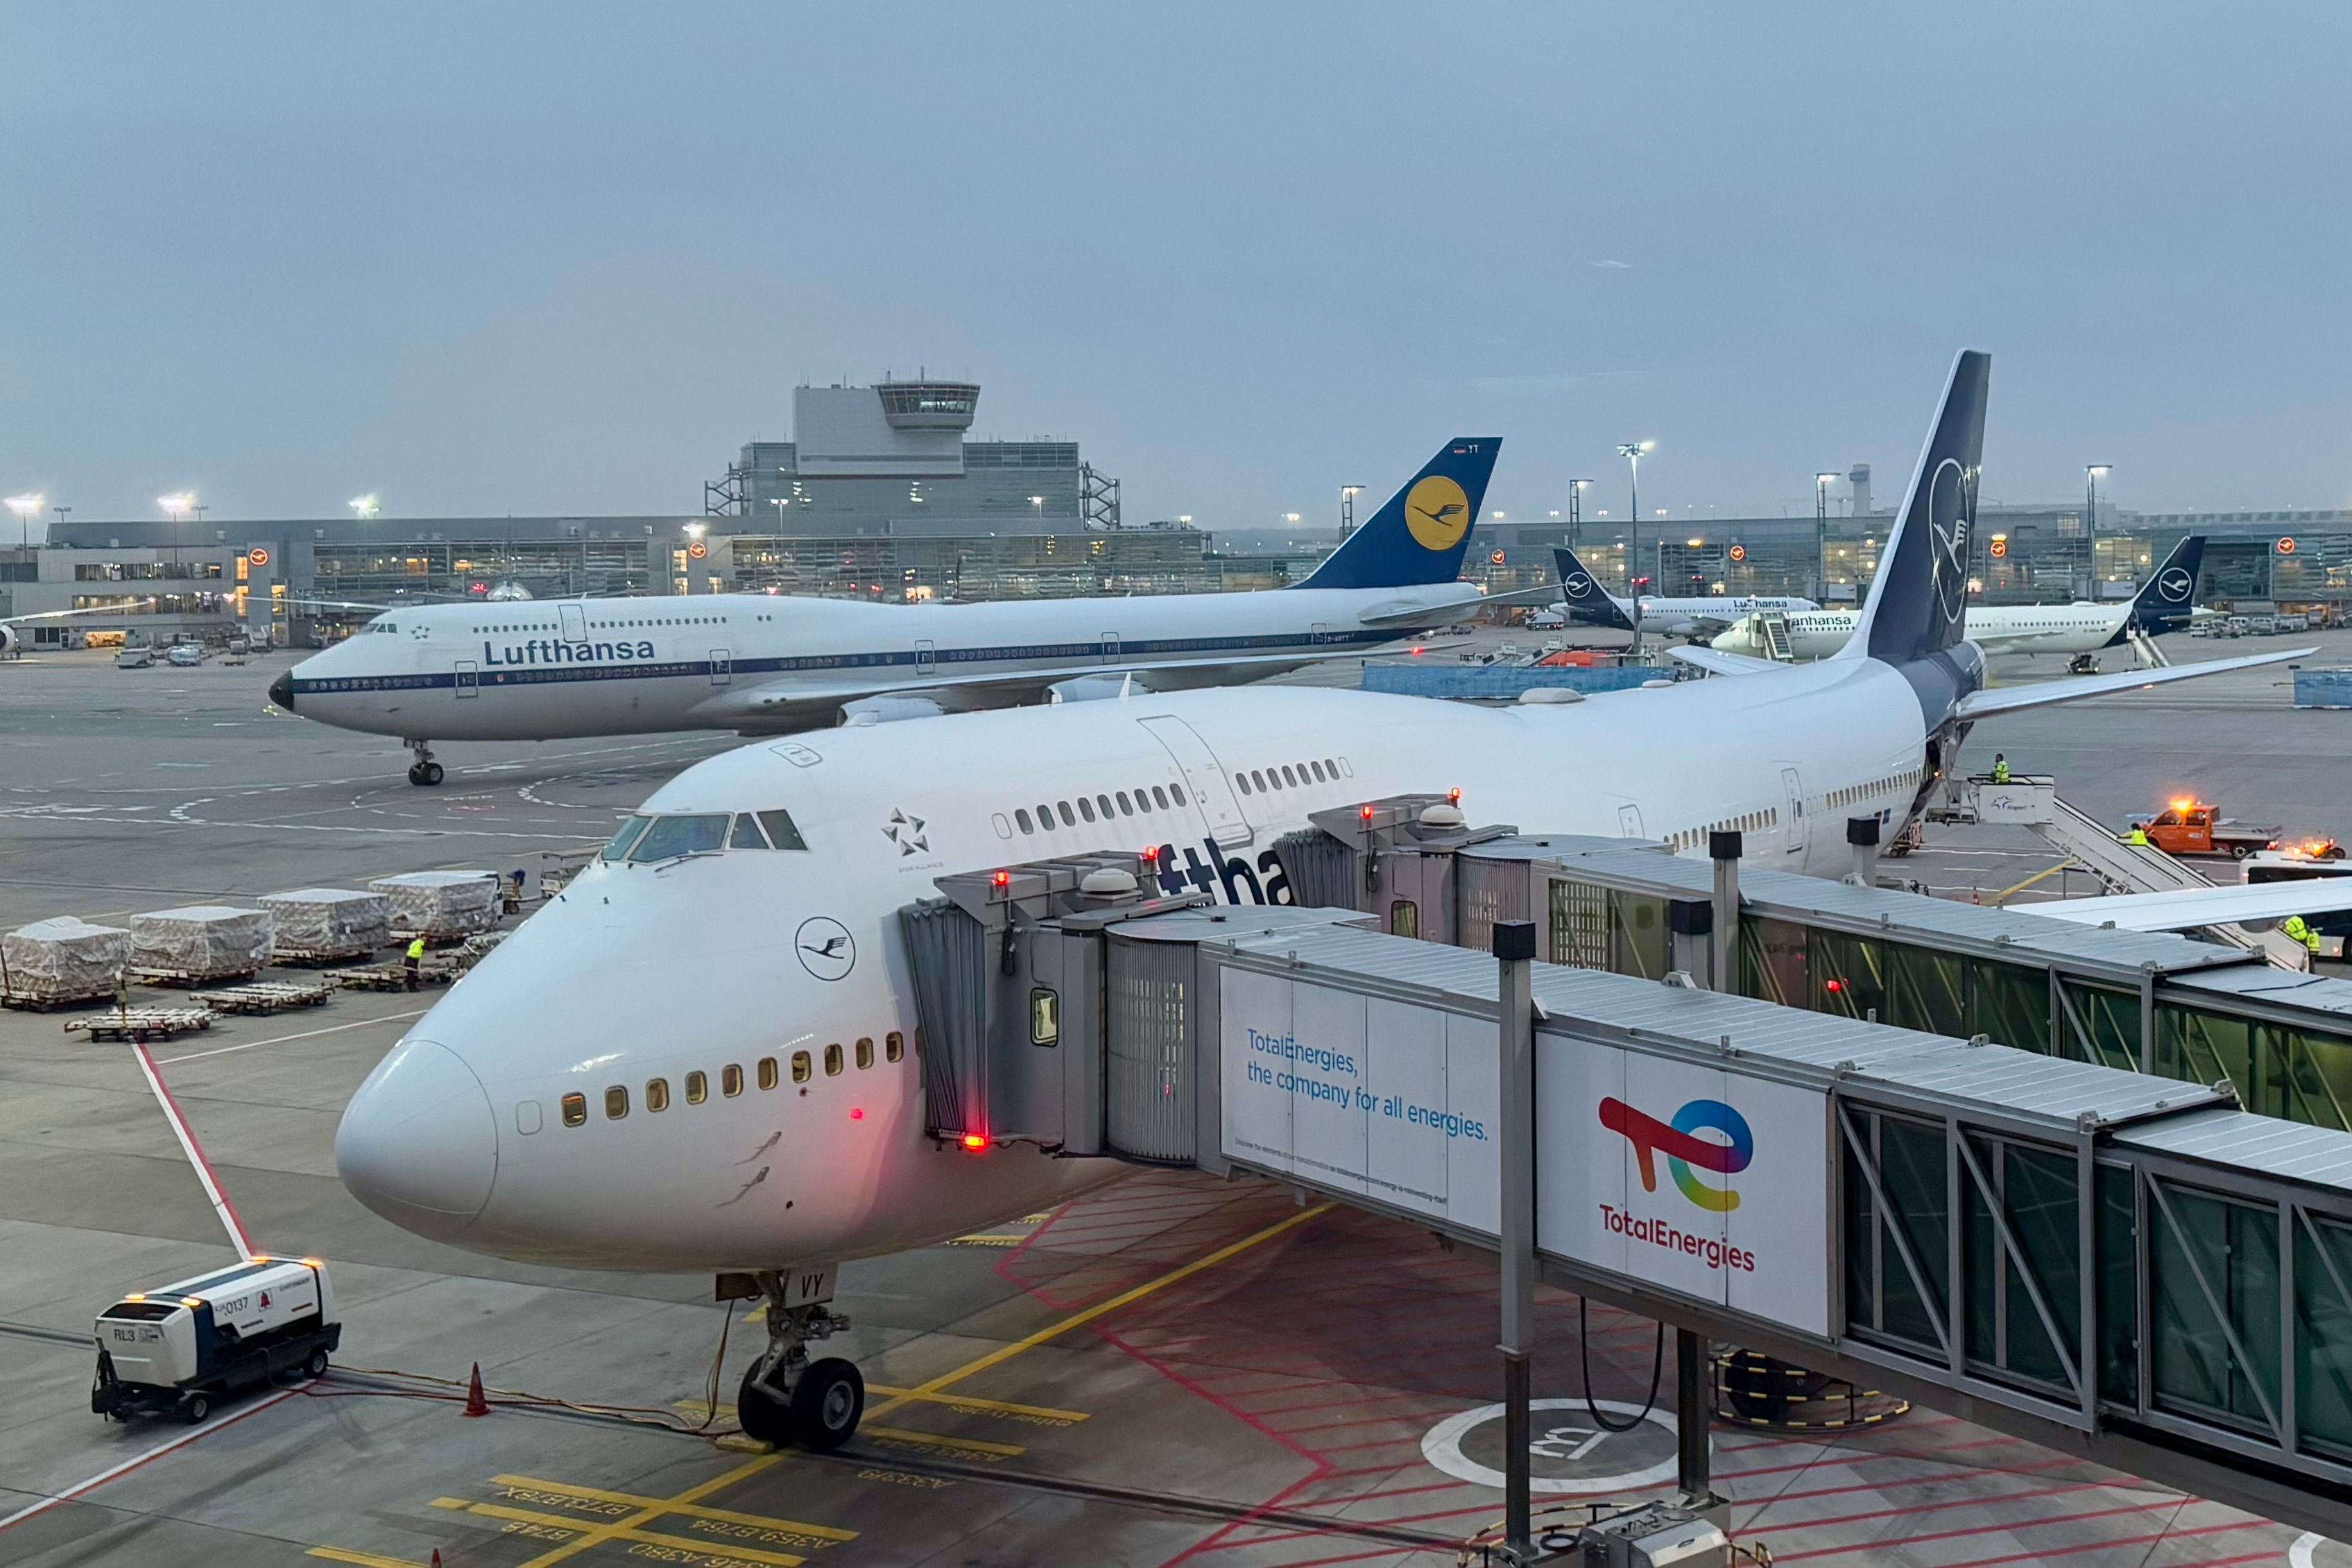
(671, 837)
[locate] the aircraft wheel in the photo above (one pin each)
(430, 775)
(761, 1412)
(827, 1405)
(416, 773)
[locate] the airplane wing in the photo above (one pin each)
(87, 609)
(2182, 909)
(2010, 699)
(1716, 662)
(795, 701)
(1406, 615)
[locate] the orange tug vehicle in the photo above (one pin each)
(2188, 826)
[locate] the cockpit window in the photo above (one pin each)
(671, 837)
(619, 848)
(747, 834)
(780, 831)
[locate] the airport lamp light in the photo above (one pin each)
(25, 505)
(366, 505)
(1632, 452)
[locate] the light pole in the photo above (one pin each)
(1631, 451)
(780, 503)
(1575, 509)
(1037, 510)
(61, 512)
(694, 532)
(1822, 535)
(2092, 474)
(175, 507)
(1347, 493)
(25, 506)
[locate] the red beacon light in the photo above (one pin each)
(1834, 986)
(1453, 796)
(857, 1112)
(1151, 852)
(1004, 879)
(975, 1142)
(1368, 814)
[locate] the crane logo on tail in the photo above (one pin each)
(1437, 511)
(1686, 1154)
(2175, 586)
(1947, 524)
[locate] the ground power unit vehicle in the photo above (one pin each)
(182, 1349)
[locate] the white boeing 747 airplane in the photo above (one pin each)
(760, 664)
(696, 1057)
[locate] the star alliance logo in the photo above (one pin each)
(907, 833)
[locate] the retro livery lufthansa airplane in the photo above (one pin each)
(693, 1058)
(552, 669)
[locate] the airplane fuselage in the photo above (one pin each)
(780, 972)
(1995, 628)
(552, 669)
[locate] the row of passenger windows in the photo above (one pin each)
(1160, 798)
(730, 1079)
(696, 833)
(1746, 822)
(1848, 796)
(1288, 775)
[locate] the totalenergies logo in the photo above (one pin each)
(1686, 1154)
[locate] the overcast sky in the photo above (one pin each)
(567, 259)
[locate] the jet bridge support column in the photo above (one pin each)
(1514, 951)
(1723, 848)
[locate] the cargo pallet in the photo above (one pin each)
(143, 1024)
(321, 958)
(25, 1002)
(268, 997)
(394, 977)
(188, 979)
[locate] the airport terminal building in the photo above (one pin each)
(882, 495)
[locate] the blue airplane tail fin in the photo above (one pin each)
(1585, 597)
(1918, 601)
(2169, 595)
(1423, 533)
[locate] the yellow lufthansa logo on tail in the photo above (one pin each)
(1437, 512)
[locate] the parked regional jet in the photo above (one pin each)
(758, 664)
(2164, 602)
(1586, 599)
(693, 1058)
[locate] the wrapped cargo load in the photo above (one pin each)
(63, 960)
(202, 941)
(441, 906)
(330, 922)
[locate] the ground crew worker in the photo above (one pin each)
(2138, 835)
(2000, 769)
(413, 960)
(2298, 929)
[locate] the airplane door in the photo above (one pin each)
(1629, 822)
(1204, 776)
(1794, 787)
(722, 667)
(469, 678)
(1110, 647)
(575, 623)
(927, 658)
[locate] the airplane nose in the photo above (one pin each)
(281, 691)
(418, 1142)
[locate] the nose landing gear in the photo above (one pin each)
(424, 771)
(786, 1397)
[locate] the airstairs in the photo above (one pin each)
(1774, 625)
(2151, 657)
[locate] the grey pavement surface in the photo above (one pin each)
(1269, 1409)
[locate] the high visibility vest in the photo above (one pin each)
(416, 949)
(2139, 836)
(2000, 772)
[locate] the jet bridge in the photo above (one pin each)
(2116, 1264)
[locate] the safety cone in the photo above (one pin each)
(475, 1403)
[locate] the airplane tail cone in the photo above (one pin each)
(476, 1405)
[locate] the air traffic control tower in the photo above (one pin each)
(893, 459)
